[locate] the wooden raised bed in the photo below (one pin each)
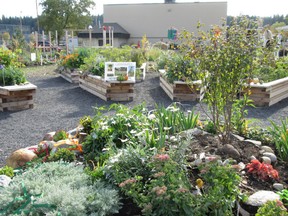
(70, 76)
(267, 94)
(17, 97)
(108, 90)
(181, 91)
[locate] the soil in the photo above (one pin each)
(210, 145)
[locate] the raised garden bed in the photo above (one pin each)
(71, 76)
(108, 90)
(181, 91)
(17, 97)
(267, 94)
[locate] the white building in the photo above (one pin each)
(155, 19)
(132, 21)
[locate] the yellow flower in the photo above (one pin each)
(199, 183)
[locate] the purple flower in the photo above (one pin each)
(1, 67)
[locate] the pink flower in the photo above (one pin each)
(159, 174)
(126, 182)
(162, 157)
(159, 190)
(182, 190)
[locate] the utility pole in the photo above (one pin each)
(37, 16)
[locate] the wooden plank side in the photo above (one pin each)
(120, 95)
(17, 103)
(66, 78)
(167, 91)
(103, 97)
(97, 88)
(167, 85)
(278, 98)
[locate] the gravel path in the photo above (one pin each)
(60, 104)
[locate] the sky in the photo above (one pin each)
(235, 7)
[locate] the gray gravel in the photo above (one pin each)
(60, 104)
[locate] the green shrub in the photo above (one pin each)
(60, 135)
(272, 208)
(153, 180)
(11, 76)
(86, 122)
(9, 58)
(63, 154)
(8, 171)
(57, 188)
(220, 190)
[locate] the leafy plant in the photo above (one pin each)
(239, 112)
(57, 188)
(153, 180)
(272, 208)
(174, 120)
(261, 134)
(8, 171)
(63, 154)
(179, 67)
(86, 122)
(226, 54)
(119, 130)
(60, 135)
(280, 137)
(9, 58)
(220, 190)
(210, 127)
(262, 170)
(11, 76)
(284, 195)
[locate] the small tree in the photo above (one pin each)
(226, 54)
(5, 38)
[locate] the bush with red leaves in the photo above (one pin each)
(262, 170)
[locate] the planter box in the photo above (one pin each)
(108, 90)
(70, 76)
(267, 94)
(181, 91)
(17, 97)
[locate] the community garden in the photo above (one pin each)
(160, 160)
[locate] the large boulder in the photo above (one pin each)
(20, 157)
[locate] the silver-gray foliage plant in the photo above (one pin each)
(63, 188)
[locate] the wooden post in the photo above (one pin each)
(72, 40)
(56, 38)
(66, 38)
(50, 43)
(43, 40)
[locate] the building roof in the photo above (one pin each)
(118, 31)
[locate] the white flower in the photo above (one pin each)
(151, 117)
(123, 140)
(133, 131)
(167, 128)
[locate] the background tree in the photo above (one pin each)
(18, 41)
(65, 14)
